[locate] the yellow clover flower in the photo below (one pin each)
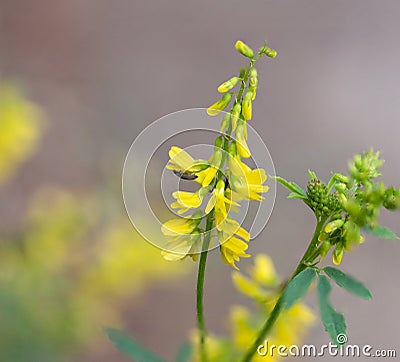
(184, 237)
(188, 200)
(218, 201)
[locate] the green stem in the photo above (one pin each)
(200, 285)
(270, 322)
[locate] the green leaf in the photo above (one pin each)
(381, 232)
(297, 287)
(348, 282)
(291, 186)
(294, 195)
(332, 320)
(184, 353)
(130, 347)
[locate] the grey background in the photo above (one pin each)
(103, 70)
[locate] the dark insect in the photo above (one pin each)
(185, 175)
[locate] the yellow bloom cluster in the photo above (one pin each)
(19, 129)
(224, 178)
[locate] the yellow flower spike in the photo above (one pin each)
(244, 49)
(219, 106)
(247, 106)
(237, 108)
(241, 144)
(228, 85)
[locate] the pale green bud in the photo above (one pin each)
(219, 106)
(244, 49)
(269, 52)
(253, 80)
(237, 108)
(225, 121)
(247, 105)
(325, 246)
(228, 85)
(333, 225)
(337, 254)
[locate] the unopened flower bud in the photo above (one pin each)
(237, 108)
(225, 121)
(241, 144)
(219, 106)
(244, 49)
(228, 85)
(218, 142)
(391, 199)
(340, 187)
(337, 254)
(269, 52)
(247, 106)
(325, 246)
(253, 80)
(333, 225)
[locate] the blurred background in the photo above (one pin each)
(80, 79)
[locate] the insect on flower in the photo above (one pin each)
(185, 175)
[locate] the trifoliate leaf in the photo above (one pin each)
(381, 232)
(297, 287)
(332, 320)
(130, 347)
(348, 282)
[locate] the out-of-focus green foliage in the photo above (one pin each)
(70, 261)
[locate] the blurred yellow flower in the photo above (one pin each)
(19, 129)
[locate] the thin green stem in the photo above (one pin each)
(270, 322)
(200, 285)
